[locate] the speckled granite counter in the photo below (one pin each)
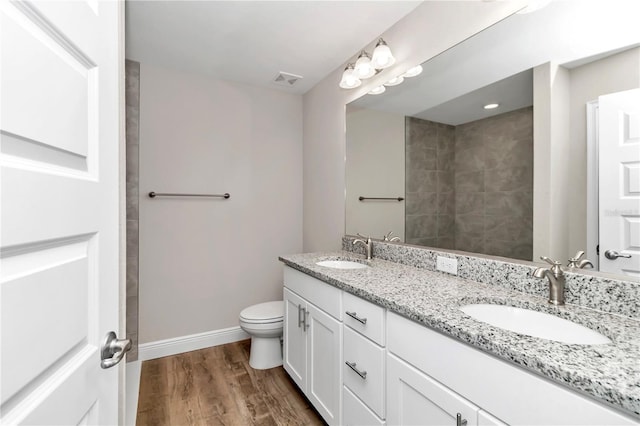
(610, 373)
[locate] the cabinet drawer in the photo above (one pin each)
(366, 359)
(321, 294)
(355, 413)
(364, 317)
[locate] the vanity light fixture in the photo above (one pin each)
(378, 90)
(395, 81)
(350, 79)
(364, 68)
(367, 66)
(491, 106)
(382, 57)
(412, 72)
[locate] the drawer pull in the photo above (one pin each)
(355, 316)
(306, 318)
(460, 421)
(352, 365)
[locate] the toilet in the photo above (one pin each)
(263, 322)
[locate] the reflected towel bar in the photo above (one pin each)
(361, 198)
(168, 194)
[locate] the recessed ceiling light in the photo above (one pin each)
(491, 106)
(412, 72)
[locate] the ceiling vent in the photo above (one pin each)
(286, 79)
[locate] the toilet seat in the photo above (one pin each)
(263, 313)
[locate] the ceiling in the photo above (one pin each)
(251, 42)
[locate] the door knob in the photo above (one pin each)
(113, 350)
(613, 255)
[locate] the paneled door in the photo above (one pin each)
(59, 148)
(619, 183)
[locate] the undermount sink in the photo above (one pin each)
(342, 264)
(534, 323)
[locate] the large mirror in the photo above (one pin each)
(553, 170)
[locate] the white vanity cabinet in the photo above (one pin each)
(363, 362)
(312, 351)
(431, 375)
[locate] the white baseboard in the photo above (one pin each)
(193, 342)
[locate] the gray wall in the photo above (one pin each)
(470, 187)
(132, 96)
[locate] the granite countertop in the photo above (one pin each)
(610, 373)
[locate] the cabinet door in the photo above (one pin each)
(324, 368)
(355, 412)
(294, 336)
(413, 398)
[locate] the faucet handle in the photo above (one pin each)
(363, 237)
(550, 261)
(579, 255)
(389, 237)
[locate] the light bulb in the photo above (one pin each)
(382, 57)
(378, 90)
(412, 72)
(395, 81)
(349, 78)
(364, 68)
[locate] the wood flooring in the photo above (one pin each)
(216, 386)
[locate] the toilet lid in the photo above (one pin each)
(268, 311)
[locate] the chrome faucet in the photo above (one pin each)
(556, 280)
(368, 245)
(391, 239)
(577, 261)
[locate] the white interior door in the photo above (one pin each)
(619, 183)
(59, 148)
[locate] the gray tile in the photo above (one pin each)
(425, 242)
(509, 152)
(509, 179)
(446, 226)
(421, 203)
(509, 228)
(446, 243)
(468, 135)
(509, 203)
(421, 226)
(445, 160)
(421, 181)
(469, 181)
(421, 158)
(469, 225)
(445, 181)
(473, 245)
(470, 159)
(470, 202)
(446, 203)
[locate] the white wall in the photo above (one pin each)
(375, 167)
(201, 260)
(430, 29)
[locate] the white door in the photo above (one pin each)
(295, 339)
(324, 369)
(619, 183)
(59, 122)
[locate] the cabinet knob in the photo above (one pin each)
(460, 421)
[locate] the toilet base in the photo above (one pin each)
(266, 352)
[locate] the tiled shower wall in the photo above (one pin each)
(429, 192)
(491, 161)
(132, 95)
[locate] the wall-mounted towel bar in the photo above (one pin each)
(168, 194)
(361, 198)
